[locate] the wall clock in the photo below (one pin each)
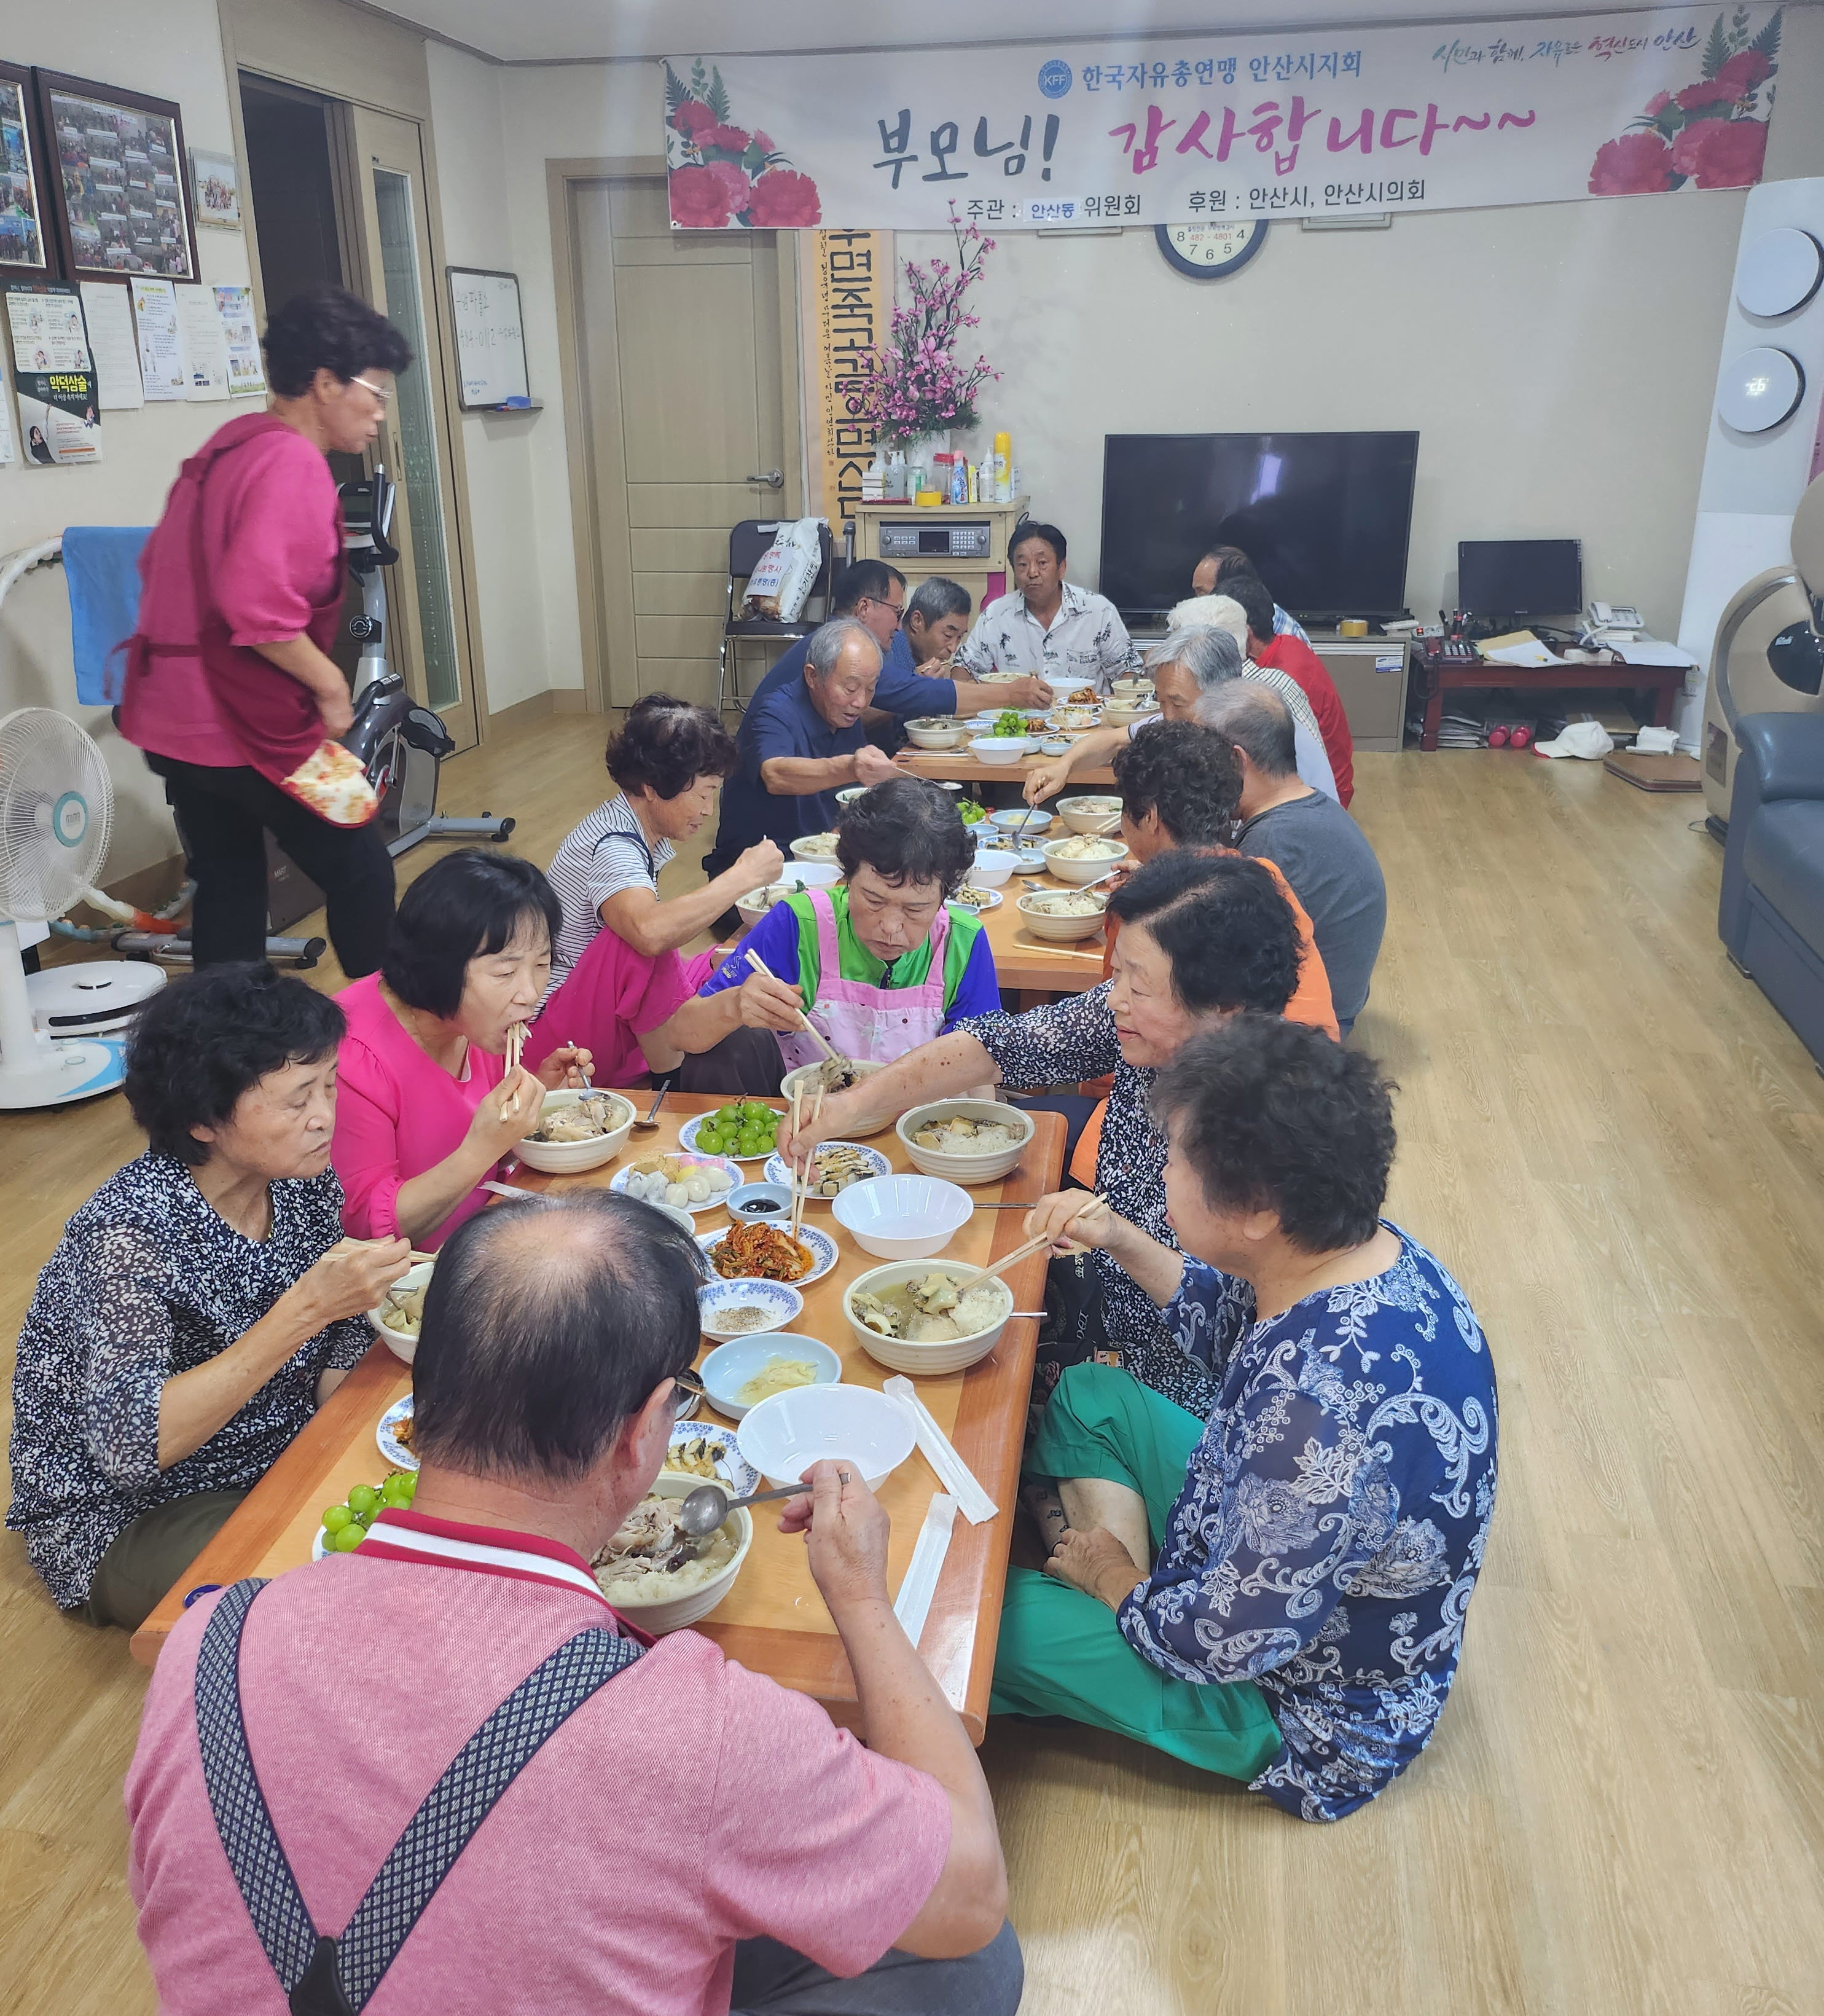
(1210, 251)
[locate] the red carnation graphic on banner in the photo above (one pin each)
(719, 173)
(1706, 134)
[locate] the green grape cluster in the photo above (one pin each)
(742, 1127)
(973, 813)
(345, 1525)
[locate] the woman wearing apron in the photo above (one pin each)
(881, 963)
(229, 689)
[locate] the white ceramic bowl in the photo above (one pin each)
(926, 1361)
(1001, 748)
(566, 1158)
(402, 1343)
(782, 1437)
(939, 732)
(1054, 930)
(781, 1301)
(816, 847)
(1118, 714)
(806, 1074)
(730, 1366)
(673, 1613)
(1087, 814)
(903, 1218)
(1085, 868)
(967, 1168)
(1011, 818)
(993, 865)
(849, 793)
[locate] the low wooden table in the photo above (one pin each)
(773, 1620)
(1026, 965)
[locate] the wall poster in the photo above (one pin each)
(117, 165)
(1174, 128)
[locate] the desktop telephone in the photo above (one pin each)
(1614, 616)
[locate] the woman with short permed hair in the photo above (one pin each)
(229, 689)
(202, 1304)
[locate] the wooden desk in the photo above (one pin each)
(1664, 682)
(772, 1619)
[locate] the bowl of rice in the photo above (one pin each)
(1088, 814)
(937, 731)
(1062, 916)
(814, 847)
(657, 1573)
(1082, 857)
(924, 1319)
(802, 875)
(965, 1140)
(400, 1311)
(577, 1131)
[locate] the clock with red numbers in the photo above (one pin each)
(1211, 251)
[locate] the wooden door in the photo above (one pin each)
(429, 639)
(680, 357)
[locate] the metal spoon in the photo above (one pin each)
(652, 1119)
(705, 1509)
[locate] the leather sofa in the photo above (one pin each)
(1772, 916)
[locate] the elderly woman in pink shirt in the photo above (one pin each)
(426, 1107)
(230, 690)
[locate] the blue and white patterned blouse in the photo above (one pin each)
(1333, 1520)
(148, 1281)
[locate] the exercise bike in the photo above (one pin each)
(400, 743)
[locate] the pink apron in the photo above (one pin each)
(869, 1024)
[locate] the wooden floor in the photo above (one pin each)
(1615, 1143)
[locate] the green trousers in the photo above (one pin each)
(145, 1560)
(1061, 1652)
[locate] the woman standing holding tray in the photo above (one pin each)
(229, 689)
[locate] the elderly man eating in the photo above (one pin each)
(645, 1828)
(801, 744)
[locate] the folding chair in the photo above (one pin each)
(747, 545)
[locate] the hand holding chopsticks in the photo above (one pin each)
(822, 1041)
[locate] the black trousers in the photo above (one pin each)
(225, 815)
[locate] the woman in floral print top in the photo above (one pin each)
(1313, 1545)
(1202, 936)
(200, 1305)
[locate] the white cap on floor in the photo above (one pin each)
(1588, 739)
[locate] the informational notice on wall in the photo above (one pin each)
(108, 314)
(59, 417)
(45, 322)
(246, 369)
(846, 302)
(161, 344)
(205, 346)
(5, 421)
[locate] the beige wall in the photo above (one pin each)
(1559, 385)
(172, 52)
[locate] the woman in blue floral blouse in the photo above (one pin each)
(1314, 1543)
(202, 1303)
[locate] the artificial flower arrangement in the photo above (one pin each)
(915, 383)
(722, 174)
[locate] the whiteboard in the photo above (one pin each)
(490, 346)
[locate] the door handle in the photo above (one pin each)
(774, 479)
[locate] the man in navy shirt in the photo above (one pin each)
(874, 594)
(801, 743)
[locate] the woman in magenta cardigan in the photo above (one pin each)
(229, 689)
(426, 1107)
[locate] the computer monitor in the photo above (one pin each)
(1508, 578)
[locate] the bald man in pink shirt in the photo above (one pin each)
(689, 1836)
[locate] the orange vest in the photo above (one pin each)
(1311, 1003)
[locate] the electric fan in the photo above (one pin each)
(56, 812)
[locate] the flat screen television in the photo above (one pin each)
(1325, 518)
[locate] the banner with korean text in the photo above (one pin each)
(846, 302)
(1175, 129)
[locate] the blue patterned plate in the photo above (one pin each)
(733, 1471)
(822, 1248)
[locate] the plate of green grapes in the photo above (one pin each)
(345, 1525)
(745, 1130)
